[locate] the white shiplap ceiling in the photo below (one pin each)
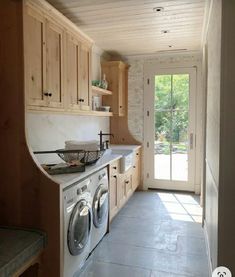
(131, 27)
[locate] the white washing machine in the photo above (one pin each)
(100, 206)
(77, 226)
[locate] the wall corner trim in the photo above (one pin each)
(207, 247)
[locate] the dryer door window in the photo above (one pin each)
(79, 228)
(100, 205)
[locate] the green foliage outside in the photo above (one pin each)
(171, 112)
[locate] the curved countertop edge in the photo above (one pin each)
(65, 180)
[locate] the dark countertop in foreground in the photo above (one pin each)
(17, 247)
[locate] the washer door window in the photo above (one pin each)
(79, 228)
(100, 205)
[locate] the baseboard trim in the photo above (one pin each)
(207, 247)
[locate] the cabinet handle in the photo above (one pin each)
(127, 182)
(114, 167)
(137, 154)
(134, 166)
(46, 93)
(49, 94)
(81, 100)
(115, 176)
(120, 107)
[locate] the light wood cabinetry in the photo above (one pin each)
(121, 191)
(136, 171)
(43, 60)
(78, 59)
(72, 66)
(116, 76)
(113, 189)
(57, 61)
(34, 32)
(54, 74)
(84, 76)
(122, 186)
(128, 184)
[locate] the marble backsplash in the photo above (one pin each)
(50, 131)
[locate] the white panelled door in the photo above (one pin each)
(170, 128)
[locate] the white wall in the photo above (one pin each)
(48, 131)
(220, 147)
(213, 128)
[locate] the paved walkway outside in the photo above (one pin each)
(179, 167)
(156, 234)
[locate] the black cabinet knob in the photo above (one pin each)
(114, 167)
(114, 176)
(49, 94)
(46, 93)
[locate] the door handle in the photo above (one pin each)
(191, 141)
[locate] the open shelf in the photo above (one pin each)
(101, 113)
(100, 91)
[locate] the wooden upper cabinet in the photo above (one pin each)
(72, 61)
(54, 64)
(57, 61)
(117, 77)
(34, 41)
(43, 42)
(84, 76)
(78, 73)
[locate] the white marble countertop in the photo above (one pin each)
(124, 147)
(68, 179)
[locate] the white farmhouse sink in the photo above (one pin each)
(126, 160)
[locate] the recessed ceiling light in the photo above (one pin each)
(158, 9)
(165, 31)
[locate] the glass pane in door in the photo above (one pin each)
(162, 145)
(171, 127)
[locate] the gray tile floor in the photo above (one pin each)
(156, 234)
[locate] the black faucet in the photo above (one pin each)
(101, 134)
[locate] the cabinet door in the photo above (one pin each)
(112, 77)
(72, 60)
(84, 77)
(117, 78)
(113, 196)
(34, 44)
(128, 186)
(54, 64)
(121, 192)
(136, 175)
(122, 91)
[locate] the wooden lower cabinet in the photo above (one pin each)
(113, 196)
(121, 191)
(122, 186)
(136, 171)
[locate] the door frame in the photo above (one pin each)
(155, 67)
